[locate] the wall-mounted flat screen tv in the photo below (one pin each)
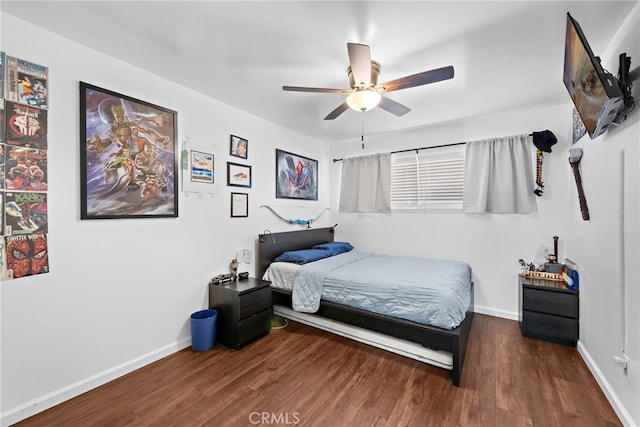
(595, 93)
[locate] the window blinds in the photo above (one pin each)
(428, 179)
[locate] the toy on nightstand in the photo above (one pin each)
(234, 268)
(221, 278)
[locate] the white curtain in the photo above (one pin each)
(366, 184)
(499, 176)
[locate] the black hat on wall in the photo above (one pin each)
(544, 140)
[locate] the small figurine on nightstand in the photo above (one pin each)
(233, 267)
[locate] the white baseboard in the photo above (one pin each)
(612, 397)
(49, 400)
(496, 313)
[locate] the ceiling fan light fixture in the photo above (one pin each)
(363, 99)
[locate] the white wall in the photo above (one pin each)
(609, 299)
(120, 292)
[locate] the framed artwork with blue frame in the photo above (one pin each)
(238, 175)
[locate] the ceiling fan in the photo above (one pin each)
(366, 93)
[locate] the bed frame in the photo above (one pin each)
(454, 341)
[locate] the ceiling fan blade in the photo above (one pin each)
(339, 110)
(393, 107)
(360, 60)
(418, 79)
(315, 89)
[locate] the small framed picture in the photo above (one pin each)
(238, 175)
(578, 129)
(239, 205)
(239, 147)
(201, 167)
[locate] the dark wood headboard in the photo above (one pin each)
(270, 245)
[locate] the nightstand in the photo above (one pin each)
(244, 311)
(548, 310)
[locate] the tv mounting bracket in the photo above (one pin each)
(626, 85)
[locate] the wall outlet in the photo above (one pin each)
(244, 255)
(621, 361)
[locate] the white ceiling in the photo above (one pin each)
(506, 54)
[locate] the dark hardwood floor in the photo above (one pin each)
(299, 375)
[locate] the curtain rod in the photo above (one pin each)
(423, 148)
(418, 149)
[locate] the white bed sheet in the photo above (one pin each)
(281, 275)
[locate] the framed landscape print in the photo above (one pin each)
(238, 175)
(201, 167)
(239, 205)
(296, 176)
(128, 157)
(239, 147)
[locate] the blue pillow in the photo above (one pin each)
(302, 256)
(334, 248)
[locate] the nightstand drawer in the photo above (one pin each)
(550, 302)
(254, 327)
(549, 325)
(254, 301)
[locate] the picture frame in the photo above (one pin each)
(238, 175)
(238, 147)
(202, 169)
(128, 157)
(578, 130)
(296, 176)
(239, 205)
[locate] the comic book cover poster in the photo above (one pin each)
(2, 151)
(25, 168)
(25, 126)
(27, 255)
(2, 119)
(1, 215)
(3, 263)
(25, 212)
(2, 71)
(26, 82)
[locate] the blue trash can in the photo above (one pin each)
(203, 329)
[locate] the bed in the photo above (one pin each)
(443, 345)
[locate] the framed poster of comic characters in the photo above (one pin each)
(296, 176)
(128, 157)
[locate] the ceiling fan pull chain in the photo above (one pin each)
(362, 133)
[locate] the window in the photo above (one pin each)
(428, 180)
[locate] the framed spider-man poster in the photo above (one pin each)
(128, 157)
(296, 176)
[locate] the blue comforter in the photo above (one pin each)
(429, 291)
